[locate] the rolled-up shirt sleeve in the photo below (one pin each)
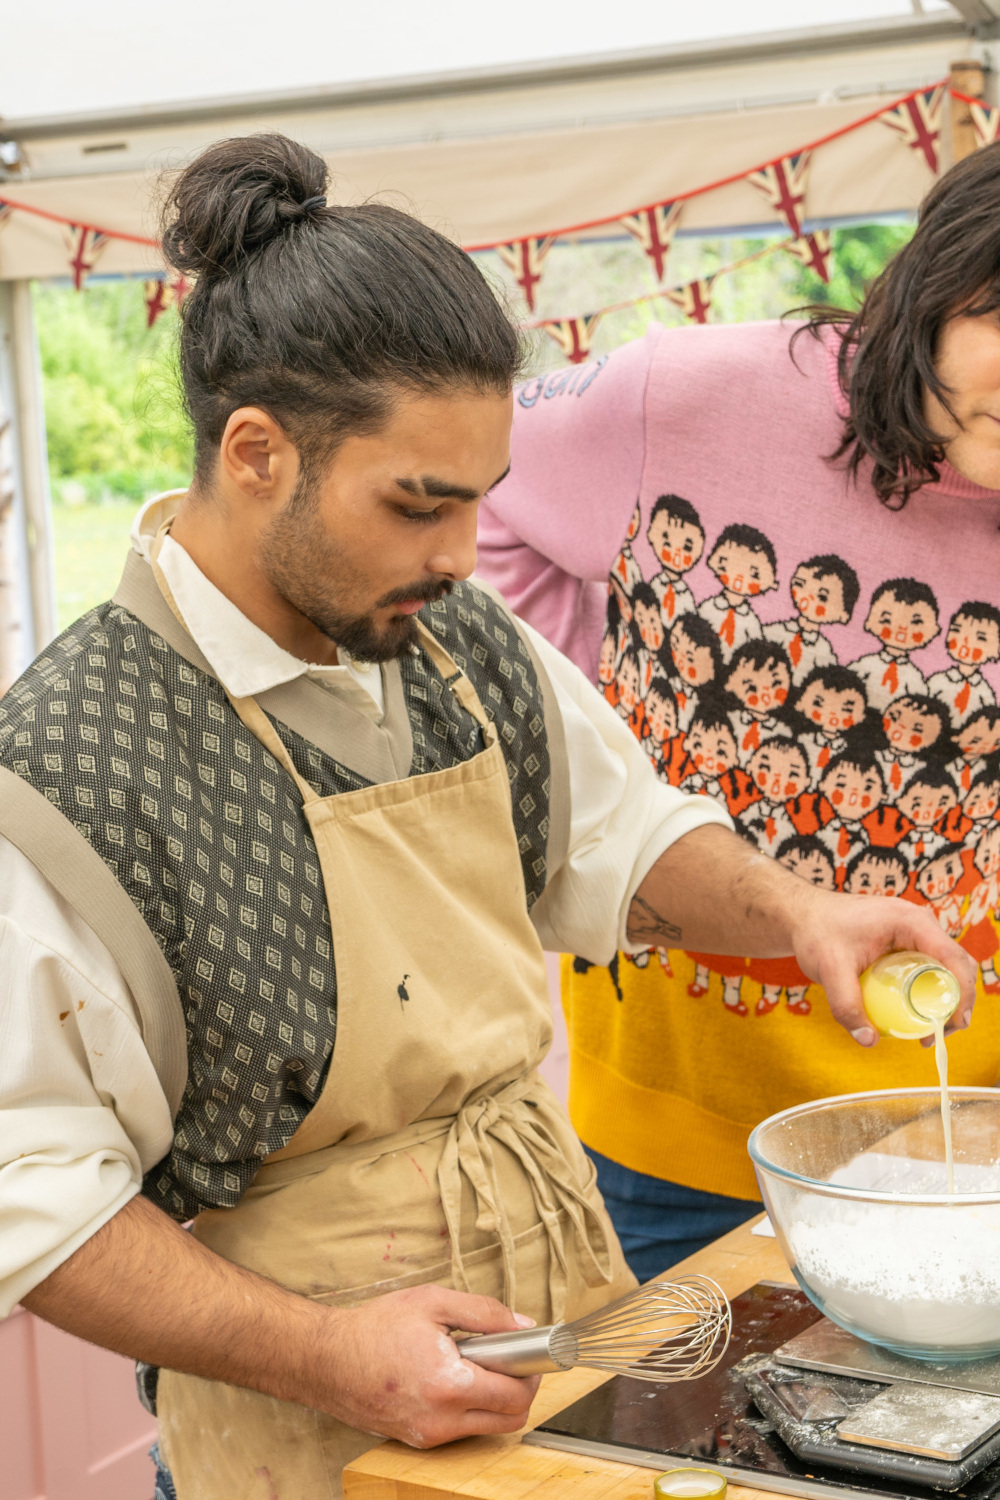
(622, 818)
(82, 1112)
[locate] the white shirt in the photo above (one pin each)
(887, 676)
(82, 1112)
(963, 695)
(807, 649)
(734, 624)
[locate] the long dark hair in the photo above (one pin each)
(319, 314)
(888, 345)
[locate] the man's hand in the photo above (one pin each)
(142, 1287)
(397, 1372)
(714, 893)
(835, 938)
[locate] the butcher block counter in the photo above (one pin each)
(502, 1468)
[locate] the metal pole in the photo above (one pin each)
(21, 390)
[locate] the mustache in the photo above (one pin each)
(428, 590)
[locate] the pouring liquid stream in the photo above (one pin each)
(931, 999)
(941, 1058)
(909, 995)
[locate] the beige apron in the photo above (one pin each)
(435, 1153)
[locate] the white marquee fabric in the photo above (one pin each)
(521, 156)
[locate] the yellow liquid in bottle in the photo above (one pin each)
(908, 995)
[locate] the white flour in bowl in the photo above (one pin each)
(910, 1274)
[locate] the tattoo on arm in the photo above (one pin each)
(647, 925)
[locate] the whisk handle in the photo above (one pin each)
(521, 1353)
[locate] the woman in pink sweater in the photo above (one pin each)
(815, 521)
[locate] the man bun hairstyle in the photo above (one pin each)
(321, 315)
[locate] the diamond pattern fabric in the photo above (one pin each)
(145, 756)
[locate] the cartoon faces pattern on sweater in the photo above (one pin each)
(871, 775)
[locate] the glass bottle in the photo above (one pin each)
(908, 994)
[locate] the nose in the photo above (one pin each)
(456, 554)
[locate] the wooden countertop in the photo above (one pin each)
(501, 1468)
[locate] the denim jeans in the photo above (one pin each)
(164, 1480)
(659, 1223)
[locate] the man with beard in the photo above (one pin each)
(285, 827)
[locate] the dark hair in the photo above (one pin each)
(836, 678)
(976, 610)
(987, 775)
(702, 635)
(888, 345)
(827, 565)
(881, 856)
(804, 844)
(989, 711)
(644, 593)
(943, 747)
(758, 653)
(931, 774)
(859, 758)
(661, 686)
(749, 537)
(676, 509)
(782, 742)
(907, 591)
(711, 713)
(318, 314)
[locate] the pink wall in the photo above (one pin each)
(71, 1427)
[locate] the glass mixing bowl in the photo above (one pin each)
(857, 1192)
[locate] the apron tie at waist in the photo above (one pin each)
(509, 1118)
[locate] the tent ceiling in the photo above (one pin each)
(501, 153)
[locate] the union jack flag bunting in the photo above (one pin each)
(526, 258)
(815, 252)
(573, 335)
(85, 248)
(164, 292)
(694, 300)
(654, 228)
(783, 184)
(985, 122)
(918, 121)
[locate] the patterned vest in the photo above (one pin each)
(144, 754)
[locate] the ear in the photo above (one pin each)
(257, 456)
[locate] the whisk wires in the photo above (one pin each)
(668, 1331)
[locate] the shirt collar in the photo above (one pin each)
(243, 657)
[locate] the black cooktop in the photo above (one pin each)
(713, 1420)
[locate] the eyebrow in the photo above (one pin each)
(442, 489)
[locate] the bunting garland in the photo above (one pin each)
(654, 228)
(526, 258)
(573, 335)
(814, 251)
(163, 292)
(85, 247)
(694, 300)
(985, 122)
(918, 120)
(783, 184)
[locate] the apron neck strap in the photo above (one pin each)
(253, 716)
(456, 680)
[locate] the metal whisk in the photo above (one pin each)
(667, 1331)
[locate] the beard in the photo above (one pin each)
(305, 564)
